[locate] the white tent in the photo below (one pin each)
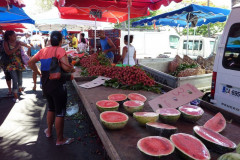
(50, 20)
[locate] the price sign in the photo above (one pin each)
(177, 97)
(96, 82)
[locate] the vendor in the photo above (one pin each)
(107, 46)
(74, 41)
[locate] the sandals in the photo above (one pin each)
(68, 141)
(46, 134)
(9, 93)
(34, 88)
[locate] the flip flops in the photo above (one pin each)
(46, 134)
(68, 141)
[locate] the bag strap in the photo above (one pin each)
(60, 60)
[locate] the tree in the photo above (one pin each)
(234, 2)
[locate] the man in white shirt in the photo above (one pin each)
(26, 39)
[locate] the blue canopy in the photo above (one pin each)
(14, 15)
(205, 15)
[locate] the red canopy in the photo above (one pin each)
(17, 3)
(120, 4)
(12, 25)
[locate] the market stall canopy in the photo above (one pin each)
(50, 21)
(12, 25)
(117, 5)
(14, 15)
(193, 13)
(17, 3)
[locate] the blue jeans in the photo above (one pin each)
(17, 80)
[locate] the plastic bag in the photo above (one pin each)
(72, 110)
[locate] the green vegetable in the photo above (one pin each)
(182, 67)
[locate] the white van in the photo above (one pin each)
(153, 44)
(197, 46)
(225, 92)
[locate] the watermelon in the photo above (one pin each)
(190, 147)
(144, 117)
(168, 115)
(107, 105)
(137, 97)
(214, 140)
(133, 106)
(238, 148)
(117, 97)
(113, 119)
(217, 123)
(161, 129)
(191, 113)
(230, 156)
(155, 147)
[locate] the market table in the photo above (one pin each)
(121, 144)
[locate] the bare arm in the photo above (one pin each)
(24, 44)
(113, 47)
(32, 64)
(134, 56)
(8, 50)
(124, 52)
(65, 64)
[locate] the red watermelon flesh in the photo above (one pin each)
(191, 110)
(133, 103)
(113, 117)
(161, 125)
(147, 114)
(117, 97)
(168, 111)
(107, 104)
(191, 146)
(137, 97)
(216, 123)
(214, 137)
(155, 146)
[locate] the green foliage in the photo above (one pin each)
(236, 42)
(103, 60)
(44, 5)
(182, 67)
(115, 84)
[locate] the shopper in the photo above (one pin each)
(107, 46)
(54, 90)
(4, 67)
(74, 41)
(13, 49)
(82, 46)
(129, 52)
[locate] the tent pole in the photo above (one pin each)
(95, 36)
(187, 37)
(128, 29)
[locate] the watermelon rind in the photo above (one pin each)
(169, 119)
(113, 125)
(216, 123)
(148, 117)
(189, 117)
(230, 156)
(103, 109)
(161, 155)
(132, 109)
(119, 100)
(159, 129)
(133, 99)
(185, 155)
(211, 145)
(238, 148)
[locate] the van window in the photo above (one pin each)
(231, 58)
(173, 40)
(192, 45)
(212, 45)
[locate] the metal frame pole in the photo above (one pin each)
(95, 36)
(129, 8)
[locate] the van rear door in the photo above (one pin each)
(227, 93)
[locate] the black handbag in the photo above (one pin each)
(4, 58)
(55, 68)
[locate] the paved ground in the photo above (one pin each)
(22, 125)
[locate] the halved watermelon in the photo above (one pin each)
(117, 97)
(113, 119)
(133, 106)
(216, 123)
(214, 140)
(107, 105)
(190, 147)
(144, 117)
(155, 146)
(161, 129)
(191, 113)
(168, 115)
(137, 97)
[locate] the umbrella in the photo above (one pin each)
(192, 15)
(14, 15)
(17, 3)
